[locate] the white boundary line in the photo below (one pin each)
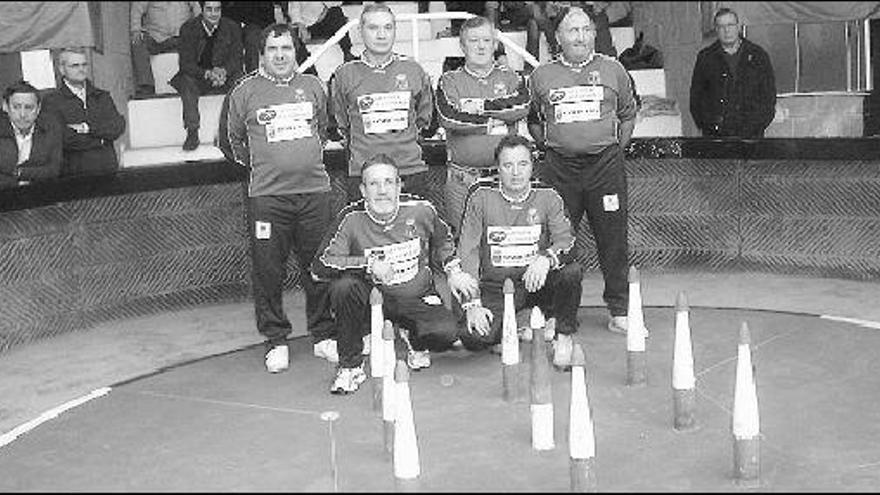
(53, 413)
(855, 321)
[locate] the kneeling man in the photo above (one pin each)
(517, 228)
(389, 240)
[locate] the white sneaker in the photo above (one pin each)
(618, 324)
(562, 349)
(418, 360)
(348, 380)
(368, 344)
(326, 349)
(277, 359)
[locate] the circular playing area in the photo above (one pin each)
(223, 424)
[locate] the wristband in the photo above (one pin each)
(473, 303)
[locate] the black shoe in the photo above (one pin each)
(192, 140)
(145, 92)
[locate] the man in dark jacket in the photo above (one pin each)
(89, 116)
(210, 62)
(733, 89)
(30, 141)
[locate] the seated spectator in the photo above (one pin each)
(254, 17)
(89, 118)
(155, 29)
(320, 20)
(30, 141)
(210, 62)
(476, 8)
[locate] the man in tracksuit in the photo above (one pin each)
(517, 228)
(583, 113)
(478, 104)
(276, 124)
(381, 102)
(389, 240)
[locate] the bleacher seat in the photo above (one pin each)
(156, 134)
(164, 67)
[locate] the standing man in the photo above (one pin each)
(478, 105)
(517, 228)
(276, 123)
(210, 62)
(89, 115)
(155, 29)
(389, 240)
(30, 141)
(733, 89)
(583, 113)
(381, 102)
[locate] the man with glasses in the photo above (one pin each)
(733, 88)
(389, 240)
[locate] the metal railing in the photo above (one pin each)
(414, 20)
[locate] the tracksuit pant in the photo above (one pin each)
(277, 225)
(596, 185)
(560, 298)
(432, 326)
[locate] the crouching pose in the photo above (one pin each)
(389, 240)
(517, 228)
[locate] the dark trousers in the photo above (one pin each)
(431, 326)
(190, 89)
(250, 34)
(333, 20)
(296, 221)
(141, 69)
(588, 184)
(560, 298)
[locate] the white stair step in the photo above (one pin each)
(166, 155)
(157, 122)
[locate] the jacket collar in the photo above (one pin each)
(7, 131)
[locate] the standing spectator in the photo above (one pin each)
(381, 102)
(583, 113)
(30, 141)
(320, 20)
(517, 228)
(155, 28)
(389, 241)
(478, 104)
(733, 89)
(89, 115)
(254, 17)
(276, 123)
(210, 62)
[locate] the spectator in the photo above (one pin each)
(478, 104)
(381, 101)
(90, 118)
(155, 28)
(517, 228)
(389, 240)
(320, 20)
(733, 90)
(514, 16)
(210, 62)
(276, 123)
(476, 8)
(30, 141)
(254, 17)
(583, 113)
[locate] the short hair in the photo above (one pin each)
(512, 141)
(202, 4)
(276, 30)
(724, 11)
(563, 13)
(21, 86)
(473, 23)
(72, 49)
(376, 7)
(378, 159)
